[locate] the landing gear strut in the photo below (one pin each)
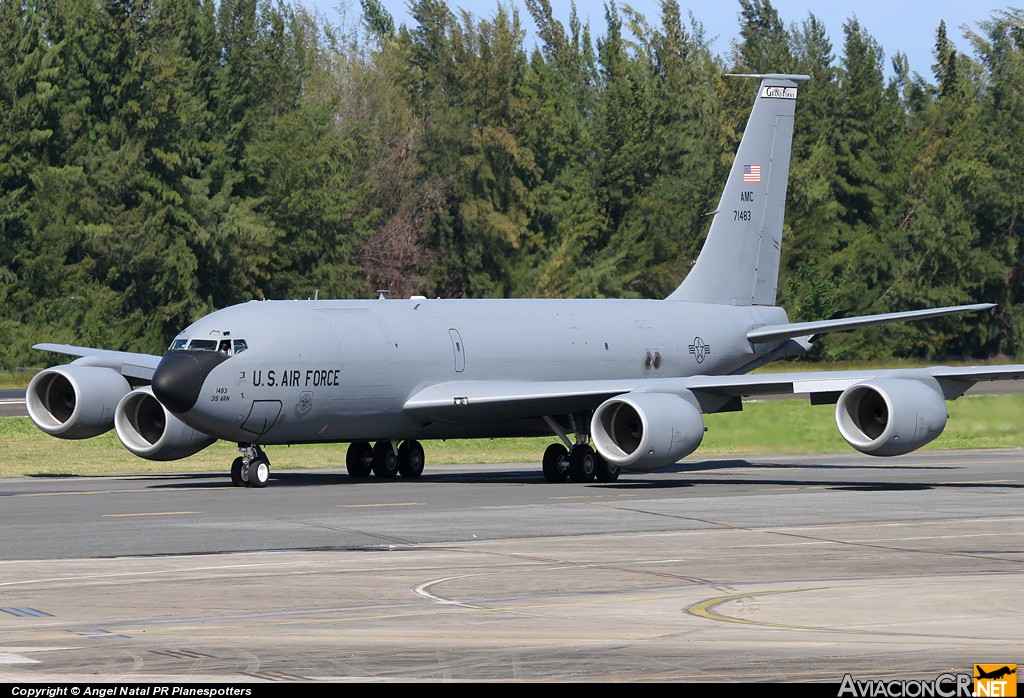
(252, 468)
(575, 462)
(581, 464)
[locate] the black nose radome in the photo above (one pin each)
(180, 376)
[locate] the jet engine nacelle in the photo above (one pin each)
(646, 431)
(890, 417)
(75, 402)
(150, 431)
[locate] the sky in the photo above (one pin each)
(898, 25)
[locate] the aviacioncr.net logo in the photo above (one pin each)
(943, 686)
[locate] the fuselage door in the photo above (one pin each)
(262, 416)
(459, 349)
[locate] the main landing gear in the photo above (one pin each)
(384, 459)
(252, 468)
(575, 462)
(581, 464)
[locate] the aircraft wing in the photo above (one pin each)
(953, 380)
(480, 401)
(771, 333)
(503, 399)
(129, 364)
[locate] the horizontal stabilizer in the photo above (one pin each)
(773, 333)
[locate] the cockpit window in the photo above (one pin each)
(225, 346)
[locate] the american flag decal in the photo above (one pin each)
(751, 173)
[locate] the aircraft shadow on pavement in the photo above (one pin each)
(681, 476)
(697, 466)
(300, 478)
(795, 484)
(121, 476)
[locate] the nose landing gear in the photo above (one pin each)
(252, 468)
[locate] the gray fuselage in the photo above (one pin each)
(323, 371)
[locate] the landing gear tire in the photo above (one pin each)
(385, 460)
(252, 468)
(555, 466)
(605, 471)
(259, 472)
(582, 463)
(359, 460)
(236, 473)
(410, 459)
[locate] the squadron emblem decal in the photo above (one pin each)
(699, 349)
(304, 405)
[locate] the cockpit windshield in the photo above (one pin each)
(202, 345)
(225, 346)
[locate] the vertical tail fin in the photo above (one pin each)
(739, 263)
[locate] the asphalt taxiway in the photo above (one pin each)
(12, 403)
(790, 569)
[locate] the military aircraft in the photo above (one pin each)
(617, 384)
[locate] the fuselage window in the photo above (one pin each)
(178, 344)
(203, 345)
(240, 346)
